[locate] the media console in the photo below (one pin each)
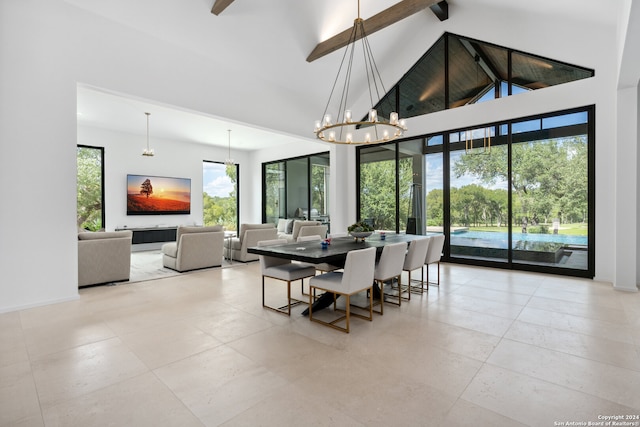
(152, 234)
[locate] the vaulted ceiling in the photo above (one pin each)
(261, 48)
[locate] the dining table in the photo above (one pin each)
(334, 253)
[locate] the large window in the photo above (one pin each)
(516, 194)
(90, 187)
(220, 195)
(296, 188)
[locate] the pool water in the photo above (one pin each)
(497, 239)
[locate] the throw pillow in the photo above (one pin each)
(289, 229)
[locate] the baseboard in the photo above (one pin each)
(38, 304)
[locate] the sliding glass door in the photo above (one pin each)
(516, 194)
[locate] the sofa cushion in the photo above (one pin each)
(88, 235)
(195, 229)
(282, 225)
(245, 227)
(170, 249)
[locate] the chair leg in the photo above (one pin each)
(347, 309)
(285, 309)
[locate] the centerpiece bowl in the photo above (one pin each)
(360, 235)
(360, 230)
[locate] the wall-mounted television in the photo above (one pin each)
(158, 195)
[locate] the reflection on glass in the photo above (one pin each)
(377, 186)
(478, 205)
(550, 203)
(275, 200)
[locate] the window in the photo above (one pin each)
(296, 188)
(220, 195)
(524, 200)
(90, 187)
(457, 71)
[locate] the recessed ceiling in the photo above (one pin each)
(103, 109)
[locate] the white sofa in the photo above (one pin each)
(104, 257)
(249, 235)
(194, 248)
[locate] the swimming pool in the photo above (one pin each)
(491, 239)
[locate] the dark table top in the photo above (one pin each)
(335, 253)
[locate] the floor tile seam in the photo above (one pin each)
(476, 330)
(611, 343)
(489, 314)
(558, 384)
(589, 303)
(484, 312)
(35, 388)
(581, 356)
(59, 401)
(607, 323)
(170, 390)
(509, 291)
(487, 298)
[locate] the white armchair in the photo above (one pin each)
(104, 257)
(249, 236)
(194, 248)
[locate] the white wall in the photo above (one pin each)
(173, 158)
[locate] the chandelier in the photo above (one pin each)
(341, 128)
(229, 161)
(148, 151)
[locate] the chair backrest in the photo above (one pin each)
(297, 225)
(309, 238)
(391, 261)
(435, 249)
(270, 261)
(358, 270)
(417, 254)
(244, 227)
(313, 230)
(193, 229)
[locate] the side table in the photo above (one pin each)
(228, 235)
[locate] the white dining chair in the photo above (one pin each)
(389, 268)
(415, 259)
(322, 267)
(356, 277)
(433, 256)
(285, 270)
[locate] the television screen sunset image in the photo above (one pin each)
(154, 195)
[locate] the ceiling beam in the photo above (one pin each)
(389, 16)
(441, 10)
(220, 5)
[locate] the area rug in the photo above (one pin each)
(147, 265)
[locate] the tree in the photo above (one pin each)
(547, 176)
(146, 188)
(89, 188)
(377, 193)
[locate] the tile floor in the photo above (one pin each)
(487, 348)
